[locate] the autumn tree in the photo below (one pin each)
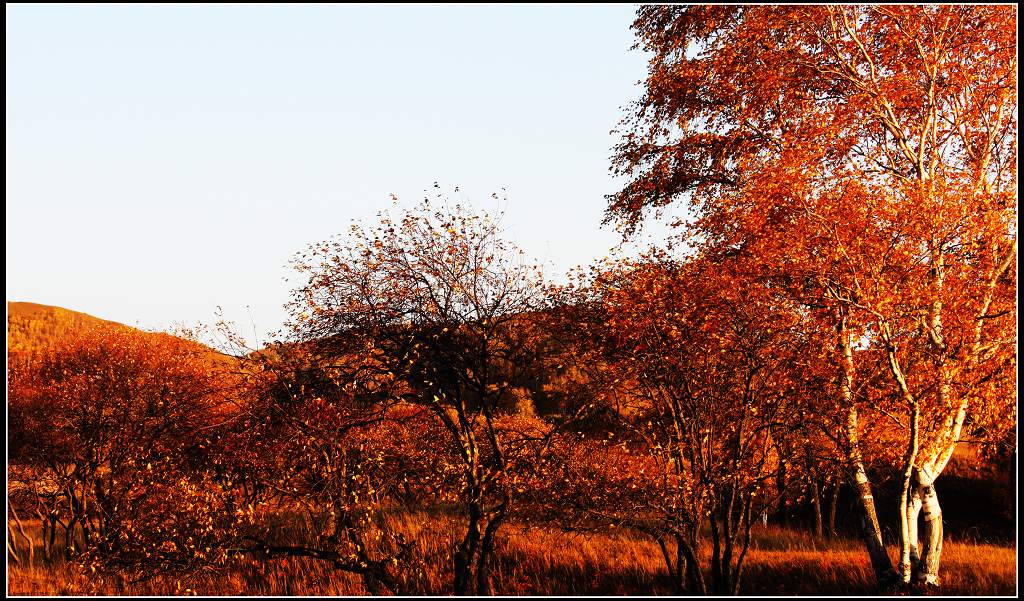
(107, 446)
(322, 442)
(698, 391)
(866, 156)
(435, 298)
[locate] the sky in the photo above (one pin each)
(166, 160)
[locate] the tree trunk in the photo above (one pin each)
(12, 553)
(69, 538)
(680, 563)
(1013, 482)
(50, 545)
(931, 549)
(21, 531)
(673, 568)
(483, 566)
(907, 507)
(694, 576)
(780, 486)
(716, 556)
(872, 533)
(912, 509)
(746, 524)
(833, 506)
(816, 501)
(465, 556)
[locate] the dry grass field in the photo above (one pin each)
(536, 561)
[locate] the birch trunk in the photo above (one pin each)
(872, 533)
(913, 512)
(931, 548)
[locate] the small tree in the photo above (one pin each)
(437, 300)
(323, 443)
(702, 385)
(109, 439)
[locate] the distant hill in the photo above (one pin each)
(32, 327)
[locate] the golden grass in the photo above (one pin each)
(545, 561)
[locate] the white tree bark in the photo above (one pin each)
(931, 547)
(871, 531)
(913, 558)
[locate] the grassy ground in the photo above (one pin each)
(543, 561)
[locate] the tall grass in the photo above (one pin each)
(536, 560)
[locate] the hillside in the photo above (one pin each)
(32, 327)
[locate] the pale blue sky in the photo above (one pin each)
(163, 160)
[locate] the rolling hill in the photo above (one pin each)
(32, 327)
